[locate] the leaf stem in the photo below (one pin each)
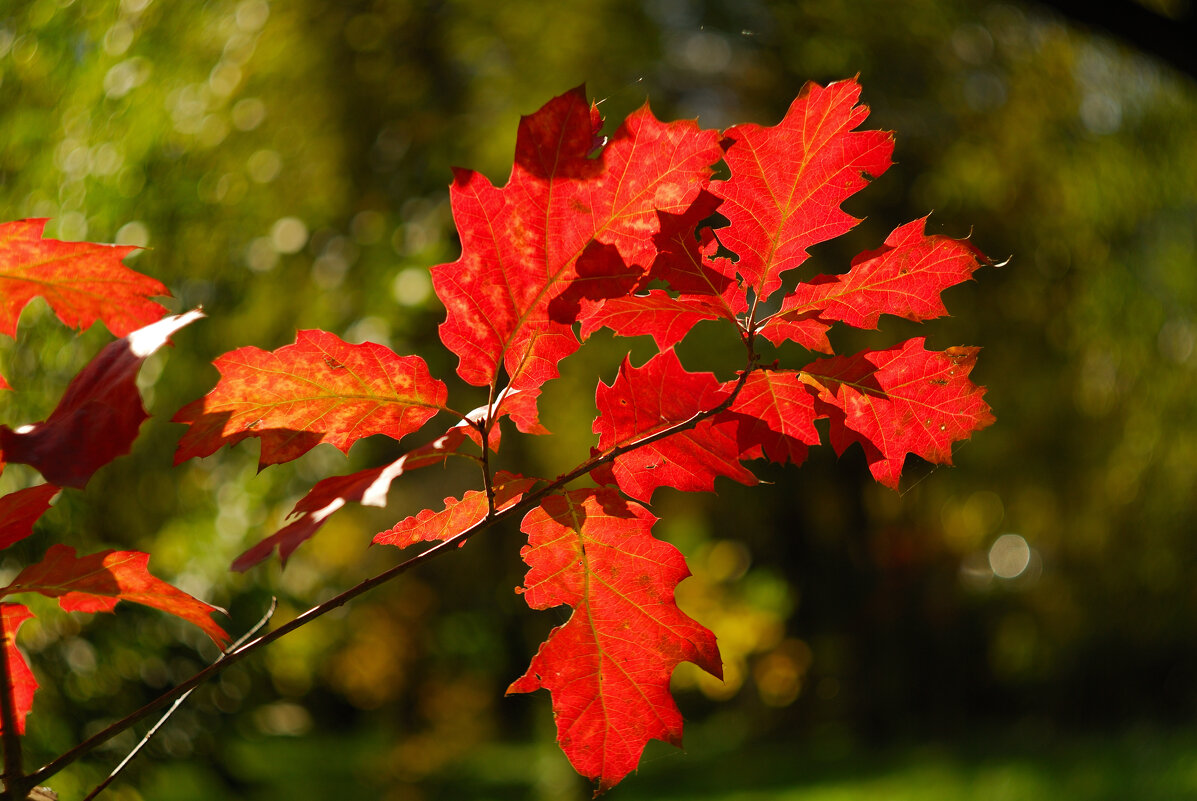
(492, 518)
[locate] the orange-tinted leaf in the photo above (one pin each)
(644, 400)
(904, 278)
(788, 181)
(83, 282)
(320, 389)
(608, 667)
(99, 415)
(23, 683)
(902, 400)
(367, 487)
(774, 416)
(457, 516)
(566, 227)
(20, 510)
(96, 583)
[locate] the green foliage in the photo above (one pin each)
(1076, 154)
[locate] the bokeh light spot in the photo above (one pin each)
(289, 235)
(1009, 556)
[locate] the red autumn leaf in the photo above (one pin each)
(649, 399)
(705, 293)
(774, 416)
(904, 278)
(566, 227)
(367, 487)
(96, 583)
(902, 400)
(666, 319)
(457, 516)
(83, 282)
(23, 683)
(20, 510)
(608, 667)
(788, 181)
(319, 389)
(99, 415)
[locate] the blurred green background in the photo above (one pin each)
(1021, 626)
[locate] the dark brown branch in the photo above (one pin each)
(532, 499)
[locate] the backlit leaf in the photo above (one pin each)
(608, 666)
(566, 227)
(23, 683)
(774, 416)
(788, 181)
(96, 583)
(83, 282)
(904, 278)
(902, 400)
(319, 389)
(457, 515)
(649, 399)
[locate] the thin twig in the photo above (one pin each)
(532, 499)
(14, 772)
(178, 703)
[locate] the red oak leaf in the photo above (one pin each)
(320, 389)
(705, 292)
(775, 416)
(99, 414)
(566, 227)
(898, 401)
(788, 181)
(608, 667)
(83, 282)
(96, 583)
(20, 510)
(904, 278)
(645, 400)
(457, 516)
(23, 683)
(666, 319)
(367, 487)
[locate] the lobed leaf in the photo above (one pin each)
(83, 282)
(320, 389)
(902, 400)
(704, 291)
(565, 228)
(645, 400)
(788, 181)
(904, 278)
(96, 583)
(774, 416)
(608, 666)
